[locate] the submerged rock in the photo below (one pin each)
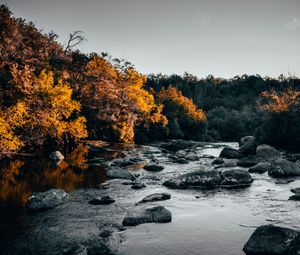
(235, 178)
(181, 161)
(199, 179)
(218, 161)
(157, 214)
(246, 162)
(153, 168)
(178, 145)
(283, 168)
(272, 240)
(138, 186)
(46, 200)
(102, 200)
(192, 157)
(266, 152)
(156, 197)
(119, 173)
(261, 167)
(229, 153)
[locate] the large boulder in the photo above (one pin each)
(235, 178)
(283, 168)
(156, 197)
(247, 145)
(157, 214)
(197, 179)
(192, 157)
(272, 240)
(46, 200)
(119, 173)
(266, 152)
(230, 153)
(261, 167)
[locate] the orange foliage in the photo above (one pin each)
(118, 97)
(280, 102)
(174, 96)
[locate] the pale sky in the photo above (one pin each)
(220, 37)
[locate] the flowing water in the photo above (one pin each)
(203, 222)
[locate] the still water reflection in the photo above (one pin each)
(19, 178)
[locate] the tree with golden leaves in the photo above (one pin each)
(43, 109)
(114, 94)
(185, 119)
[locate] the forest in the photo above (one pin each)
(53, 95)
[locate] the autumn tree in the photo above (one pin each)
(281, 118)
(185, 119)
(114, 96)
(43, 109)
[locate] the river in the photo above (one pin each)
(208, 222)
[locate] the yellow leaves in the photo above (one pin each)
(280, 102)
(77, 128)
(175, 96)
(44, 109)
(10, 119)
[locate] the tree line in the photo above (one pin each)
(53, 94)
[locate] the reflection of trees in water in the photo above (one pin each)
(19, 178)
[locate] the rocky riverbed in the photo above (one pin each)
(115, 192)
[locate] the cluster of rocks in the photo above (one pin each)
(259, 159)
(209, 179)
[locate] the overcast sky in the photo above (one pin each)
(220, 37)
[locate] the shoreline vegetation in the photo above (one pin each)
(53, 95)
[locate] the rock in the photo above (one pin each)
(138, 186)
(119, 173)
(180, 154)
(103, 186)
(46, 200)
(295, 245)
(260, 168)
(218, 161)
(235, 178)
(102, 200)
(153, 168)
(292, 156)
(157, 214)
(178, 145)
(181, 161)
(99, 248)
(197, 179)
(207, 156)
(246, 162)
(156, 197)
(283, 168)
(267, 152)
(229, 153)
(192, 157)
(246, 139)
(271, 240)
(297, 194)
(231, 163)
(247, 146)
(56, 157)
